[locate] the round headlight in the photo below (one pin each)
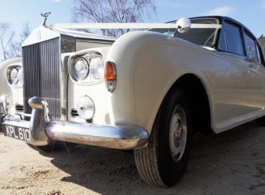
(13, 76)
(97, 67)
(85, 107)
(80, 69)
(20, 76)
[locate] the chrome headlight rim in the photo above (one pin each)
(96, 67)
(20, 76)
(80, 69)
(15, 76)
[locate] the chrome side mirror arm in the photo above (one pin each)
(183, 26)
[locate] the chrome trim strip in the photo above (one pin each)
(22, 114)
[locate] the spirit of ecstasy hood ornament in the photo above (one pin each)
(45, 15)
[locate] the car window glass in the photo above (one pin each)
(258, 53)
(250, 48)
(205, 37)
(232, 40)
(199, 36)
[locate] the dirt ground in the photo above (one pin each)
(229, 163)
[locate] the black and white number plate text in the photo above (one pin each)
(20, 133)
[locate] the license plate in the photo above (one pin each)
(20, 133)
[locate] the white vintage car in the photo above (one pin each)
(147, 90)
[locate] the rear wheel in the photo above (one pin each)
(165, 159)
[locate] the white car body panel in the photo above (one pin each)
(148, 64)
(150, 70)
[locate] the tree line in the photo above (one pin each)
(103, 11)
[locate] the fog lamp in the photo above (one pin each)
(85, 107)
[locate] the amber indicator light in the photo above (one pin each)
(109, 72)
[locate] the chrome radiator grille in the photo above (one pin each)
(41, 66)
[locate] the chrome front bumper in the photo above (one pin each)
(39, 131)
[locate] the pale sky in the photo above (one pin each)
(250, 13)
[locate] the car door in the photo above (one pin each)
(243, 99)
(256, 70)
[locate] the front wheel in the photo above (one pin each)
(165, 159)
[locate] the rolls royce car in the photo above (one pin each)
(148, 90)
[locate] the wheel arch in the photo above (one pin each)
(195, 91)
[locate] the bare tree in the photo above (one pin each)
(6, 37)
(120, 11)
(15, 47)
(9, 47)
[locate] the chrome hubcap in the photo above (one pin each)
(178, 133)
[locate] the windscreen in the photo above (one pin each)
(200, 36)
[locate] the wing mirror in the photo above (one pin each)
(183, 25)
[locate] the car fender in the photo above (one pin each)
(148, 64)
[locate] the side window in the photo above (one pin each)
(252, 49)
(259, 53)
(231, 39)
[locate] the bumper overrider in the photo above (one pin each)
(40, 130)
